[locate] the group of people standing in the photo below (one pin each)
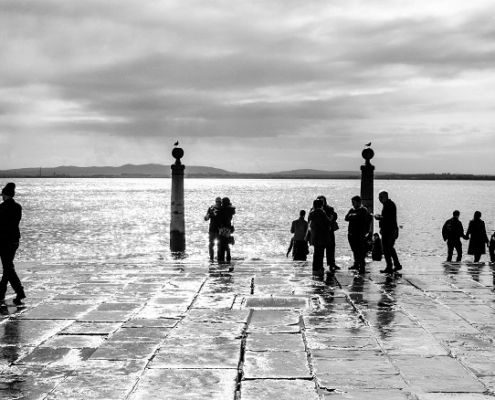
(453, 231)
(319, 232)
(221, 229)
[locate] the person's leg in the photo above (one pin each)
(221, 250)
(227, 249)
(450, 251)
(318, 254)
(352, 244)
(211, 244)
(388, 250)
(477, 257)
(7, 254)
(331, 252)
(458, 249)
(361, 253)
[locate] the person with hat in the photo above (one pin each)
(10, 217)
(212, 216)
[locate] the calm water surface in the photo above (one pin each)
(128, 219)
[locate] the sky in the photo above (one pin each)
(249, 86)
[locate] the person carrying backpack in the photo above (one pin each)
(452, 232)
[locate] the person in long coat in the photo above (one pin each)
(478, 239)
(319, 226)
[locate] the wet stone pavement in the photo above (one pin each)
(266, 330)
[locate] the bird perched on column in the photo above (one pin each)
(368, 144)
(176, 143)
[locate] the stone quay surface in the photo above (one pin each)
(267, 329)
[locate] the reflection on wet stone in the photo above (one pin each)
(266, 330)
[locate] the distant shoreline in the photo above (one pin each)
(429, 177)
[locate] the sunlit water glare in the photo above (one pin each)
(128, 219)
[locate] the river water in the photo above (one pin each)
(128, 219)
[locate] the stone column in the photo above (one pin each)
(367, 174)
(177, 222)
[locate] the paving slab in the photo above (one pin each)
(155, 384)
(208, 353)
(280, 389)
(437, 374)
(276, 365)
(275, 342)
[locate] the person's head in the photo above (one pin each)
(218, 201)
(356, 201)
(323, 200)
(9, 190)
(383, 196)
(225, 202)
(456, 214)
(302, 213)
(477, 215)
(317, 204)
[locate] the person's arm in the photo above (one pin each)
(207, 216)
(350, 215)
(292, 227)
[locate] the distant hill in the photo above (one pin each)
(127, 170)
(163, 171)
(318, 173)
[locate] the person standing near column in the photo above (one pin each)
(212, 216)
(358, 218)
(10, 217)
(389, 230)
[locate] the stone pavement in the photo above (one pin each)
(267, 330)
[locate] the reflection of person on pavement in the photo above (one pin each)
(452, 232)
(212, 216)
(10, 217)
(476, 233)
(390, 232)
(358, 229)
(299, 228)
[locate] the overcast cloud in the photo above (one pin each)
(249, 85)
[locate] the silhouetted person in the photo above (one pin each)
(10, 217)
(225, 229)
(358, 219)
(389, 230)
(330, 249)
(452, 232)
(212, 216)
(491, 248)
(299, 228)
(476, 233)
(319, 226)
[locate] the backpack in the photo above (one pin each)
(447, 229)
